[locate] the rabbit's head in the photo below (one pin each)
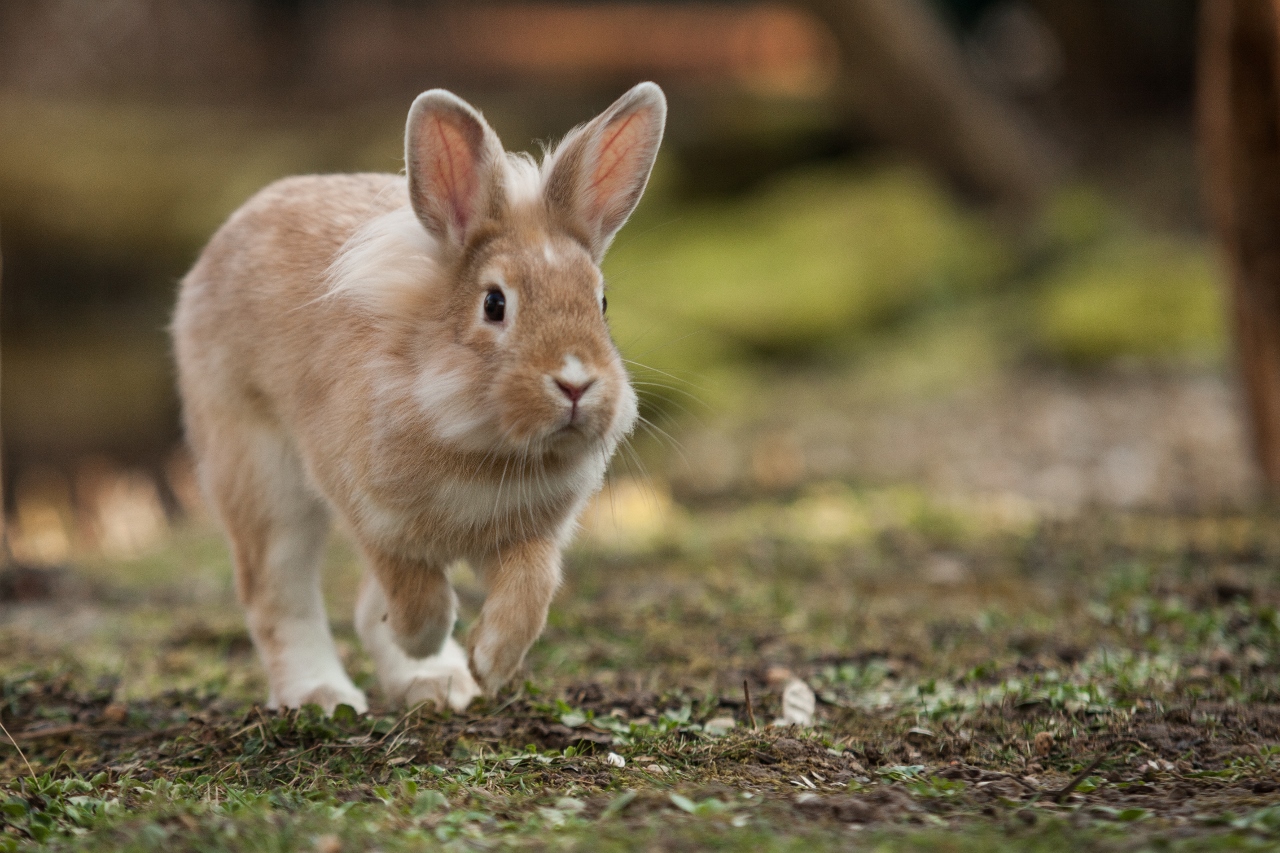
(516, 353)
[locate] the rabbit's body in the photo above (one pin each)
(338, 354)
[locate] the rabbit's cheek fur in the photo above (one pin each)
(455, 400)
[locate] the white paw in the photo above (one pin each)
(327, 695)
(441, 679)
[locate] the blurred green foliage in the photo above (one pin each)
(840, 260)
(1144, 297)
(814, 258)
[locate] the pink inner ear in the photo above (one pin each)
(453, 171)
(619, 157)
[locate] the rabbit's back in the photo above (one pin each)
(251, 321)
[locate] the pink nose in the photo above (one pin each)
(572, 391)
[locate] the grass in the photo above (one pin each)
(969, 667)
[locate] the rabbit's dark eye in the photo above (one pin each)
(495, 305)
(604, 305)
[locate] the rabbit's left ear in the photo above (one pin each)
(601, 169)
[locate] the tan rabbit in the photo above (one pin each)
(427, 358)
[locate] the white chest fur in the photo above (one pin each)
(452, 517)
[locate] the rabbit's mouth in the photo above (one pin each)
(571, 431)
(576, 433)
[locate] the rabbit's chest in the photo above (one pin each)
(455, 516)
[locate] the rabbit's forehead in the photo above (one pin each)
(545, 263)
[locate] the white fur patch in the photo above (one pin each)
(387, 262)
(473, 503)
(376, 522)
(447, 396)
(302, 663)
(573, 372)
(524, 178)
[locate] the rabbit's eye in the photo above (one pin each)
(495, 305)
(604, 305)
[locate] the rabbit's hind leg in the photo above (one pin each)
(424, 608)
(278, 525)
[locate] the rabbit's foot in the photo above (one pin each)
(442, 679)
(327, 694)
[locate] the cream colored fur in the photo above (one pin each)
(335, 358)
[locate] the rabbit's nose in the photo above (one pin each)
(573, 379)
(574, 391)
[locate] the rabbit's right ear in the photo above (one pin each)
(453, 160)
(600, 170)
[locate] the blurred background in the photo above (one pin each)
(955, 247)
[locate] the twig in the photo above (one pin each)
(1061, 794)
(20, 752)
(1016, 778)
(51, 731)
(751, 713)
(402, 720)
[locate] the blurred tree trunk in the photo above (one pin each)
(905, 76)
(1239, 125)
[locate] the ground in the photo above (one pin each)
(1000, 660)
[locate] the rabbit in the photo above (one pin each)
(426, 357)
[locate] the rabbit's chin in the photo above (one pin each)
(566, 442)
(573, 440)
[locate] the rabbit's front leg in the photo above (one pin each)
(521, 580)
(405, 617)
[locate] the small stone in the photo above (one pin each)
(1043, 743)
(788, 747)
(919, 736)
(719, 725)
(798, 704)
(811, 802)
(115, 713)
